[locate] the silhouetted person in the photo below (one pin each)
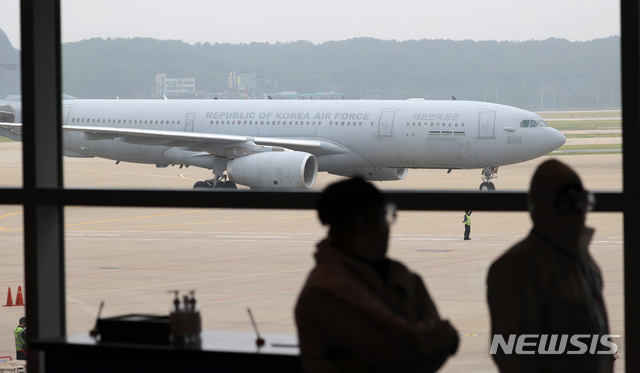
(20, 334)
(548, 284)
(360, 311)
(467, 224)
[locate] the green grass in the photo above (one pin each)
(590, 147)
(5, 139)
(590, 135)
(587, 152)
(586, 125)
(581, 114)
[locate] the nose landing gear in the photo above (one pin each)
(488, 173)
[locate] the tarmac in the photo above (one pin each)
(131, 258)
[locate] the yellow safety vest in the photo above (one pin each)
(467, 219)
(21, 344)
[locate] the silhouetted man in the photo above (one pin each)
(547, 287)
(359, 310)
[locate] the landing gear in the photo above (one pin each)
(201, 184)
(488, 173)
(487, 186)
(215, 183)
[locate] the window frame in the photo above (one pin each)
(44, 197)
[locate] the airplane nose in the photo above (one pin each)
(556, 139)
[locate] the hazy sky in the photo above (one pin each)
(244, 21)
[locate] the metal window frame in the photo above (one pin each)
(43, 196)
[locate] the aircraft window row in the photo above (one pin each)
(122, 121)
(283, 123)
(419, 124)
(533, 123)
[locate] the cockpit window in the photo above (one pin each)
(524, 123)
(543, 124)
(533, 123)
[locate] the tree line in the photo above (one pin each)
(531, 74)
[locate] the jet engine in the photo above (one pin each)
(286, 169)
(375, 174)
(7, 114)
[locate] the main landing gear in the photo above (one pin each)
(488, 173)
(217, 182)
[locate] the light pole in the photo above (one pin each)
(554, 99)
(598, 99)
(497, 101)
(541, 95)
(611, 96)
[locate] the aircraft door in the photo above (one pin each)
(385, 127)
(486, 128)
(188, 123)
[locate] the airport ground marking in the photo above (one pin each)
(454, 263)
(120, 172)
(11, 214)
(7, 215)
(250, 295)
(186, 264)
(201, 300)
(188, 224)
(184, 176)
(130, 292)
(136, 217)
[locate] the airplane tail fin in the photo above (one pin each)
(9, 67)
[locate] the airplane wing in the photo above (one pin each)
(195, 139)
(187, 139)
(11, 130)
(130, 134)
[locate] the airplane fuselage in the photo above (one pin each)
(379, 134)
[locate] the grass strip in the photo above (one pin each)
(581, 114)
(590, 135)
(613, 124)
(591, 147)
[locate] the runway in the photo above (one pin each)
(132, 257)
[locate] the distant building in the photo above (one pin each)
(175, 87)
(243, 81)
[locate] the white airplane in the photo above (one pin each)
(285, 143)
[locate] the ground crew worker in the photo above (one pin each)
(20, 333)
(467, 224)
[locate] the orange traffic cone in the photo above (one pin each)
(9, 299)
(19, 300)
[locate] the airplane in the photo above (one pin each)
(285, 143)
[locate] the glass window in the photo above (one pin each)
(127, 257)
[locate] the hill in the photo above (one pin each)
(531, 74)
